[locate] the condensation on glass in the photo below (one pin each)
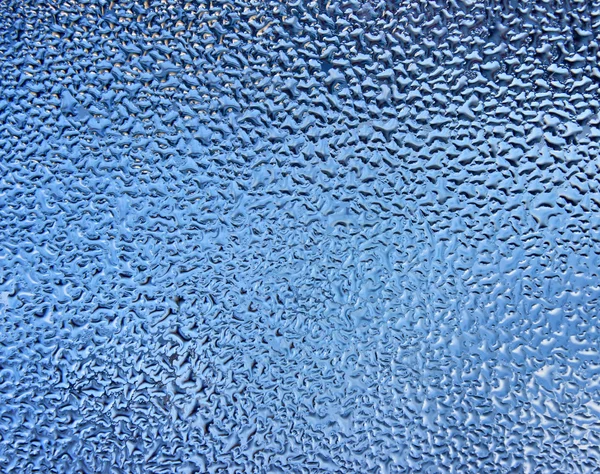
(312, 237)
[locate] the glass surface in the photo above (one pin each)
(299, 237)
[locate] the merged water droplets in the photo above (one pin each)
(299, 237)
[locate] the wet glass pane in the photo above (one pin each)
(299, 237)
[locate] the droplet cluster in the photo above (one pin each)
(299, 236)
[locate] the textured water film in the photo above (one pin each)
(299, 237)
